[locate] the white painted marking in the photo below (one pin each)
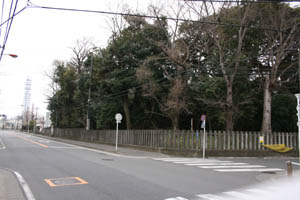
(214, 164)
(202, 161)
(250, 170)
(56, 147)
(177, 160)
(239, 195)
(25, 186)
(211, 197)
(259, 191)
(231, 166)
(294, 163)
(44, 141)
(2, 144)
(176, 198)
(273, 188)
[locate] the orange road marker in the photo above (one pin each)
(65, 181)
(42, 145)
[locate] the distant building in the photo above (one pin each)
(47, 120)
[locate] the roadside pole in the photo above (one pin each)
(204, 141)
(203, 118)
(118, 118)
(298, 114)
(117, 136)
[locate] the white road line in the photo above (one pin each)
(2, 144)
(230, 166)
(211, 197)
(44, 141)
(273, 188)
(214, 164)
(179, 159)
(239, 195)
(176, 160)
(56, 147)
(250, 170)
(208, 161)
(24, 186)
(176, 198)
(259, 191)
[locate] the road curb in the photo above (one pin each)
(24, 188)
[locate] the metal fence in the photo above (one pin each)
(183, 139)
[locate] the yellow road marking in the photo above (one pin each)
(45, 146)
(51, 182)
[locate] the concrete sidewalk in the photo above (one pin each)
(125, 151)
(10, 188)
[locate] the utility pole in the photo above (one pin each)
(27, 98)
(36, 118)
(89, 96)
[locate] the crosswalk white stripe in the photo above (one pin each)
(250, 170)
(178, 160)
(185, 160)
(2, 146)
(211, 197)
(239, 195)
(273, 187)
(174, 158)
(201, 161)
(230, 166)
(176, 198)
(259, 191)
(213, 164)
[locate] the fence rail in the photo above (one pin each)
(181, 140)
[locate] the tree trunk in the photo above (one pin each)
(127, 112)
(266, 123)
(229, 107)
(175, 122)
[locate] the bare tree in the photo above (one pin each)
(80, 51)
(213, 18)
(279, 41)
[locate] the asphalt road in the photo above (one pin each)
(59, 171)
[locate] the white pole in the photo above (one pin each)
(117, 137)
(204, 140)
(298, 114)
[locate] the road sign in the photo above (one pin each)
(118, 117)
(203, 117)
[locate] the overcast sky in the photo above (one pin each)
(40, 36)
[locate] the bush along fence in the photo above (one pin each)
(217, 143)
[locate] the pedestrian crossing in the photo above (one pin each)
(219, 165)
(244, 194)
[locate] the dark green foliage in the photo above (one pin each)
(136, 75)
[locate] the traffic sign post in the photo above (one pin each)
(118, 118)
(298, 114)
(203, 118)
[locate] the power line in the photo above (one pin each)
(8, 27)
(245, 1)
(2, 11)
(152, 17)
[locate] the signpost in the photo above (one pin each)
(118, 118)
(203, 118)
(298, 114)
